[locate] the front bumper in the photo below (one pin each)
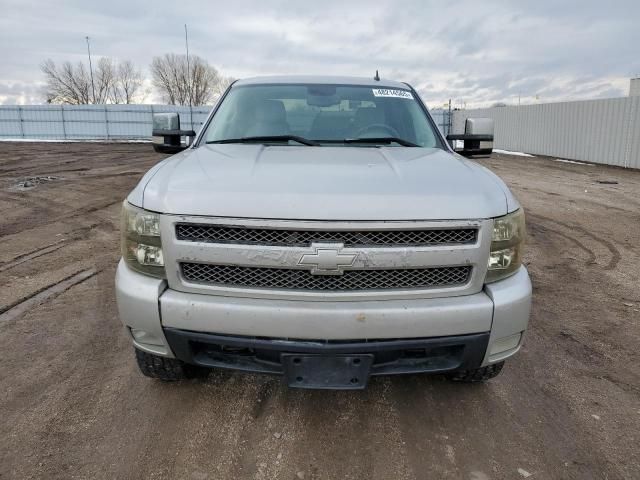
(156, 316)
(388, 357)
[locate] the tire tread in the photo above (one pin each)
(166, 369)
(477, 375)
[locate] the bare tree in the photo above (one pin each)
(105, 80)
(180, 84)
(114, 83)
(128, 83)
(67, 84)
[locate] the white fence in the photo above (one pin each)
(85, 122)
(106, 122)
(599, 131)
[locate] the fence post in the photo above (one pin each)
(64, 128)
(629, 122)
(449, 119)
(21, 120)
(106, 120)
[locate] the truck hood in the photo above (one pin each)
(323, 183)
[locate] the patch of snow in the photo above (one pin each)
(573, 161)
(523, 473)
(508, 152)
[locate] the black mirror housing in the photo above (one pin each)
(171, 140)
(167, 135)
(477, 139)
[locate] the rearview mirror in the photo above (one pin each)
(322, 101)
(477, 138)
(166, 134)
(322, 96)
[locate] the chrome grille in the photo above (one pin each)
(300, 238)
(296, 279)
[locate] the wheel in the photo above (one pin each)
(167, 369)
(476, 375)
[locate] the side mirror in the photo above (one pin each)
(477, 138)
(167, 136)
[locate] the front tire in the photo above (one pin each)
(167, 369)
(477, 375)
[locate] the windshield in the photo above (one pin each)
(321, 114)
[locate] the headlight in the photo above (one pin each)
(507, 243)
(141, 245)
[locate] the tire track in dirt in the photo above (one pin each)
(541, 229)
(20, 226)
(33, 254)
(14, 310)
(43, 206)
(613, 252)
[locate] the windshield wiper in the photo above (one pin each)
(399, 141)
(269, 138)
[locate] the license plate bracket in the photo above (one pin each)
(338, 372)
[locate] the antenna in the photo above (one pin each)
(377, 77)
(189, 86)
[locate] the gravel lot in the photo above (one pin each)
(73, 404)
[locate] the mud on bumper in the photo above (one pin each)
(329, 364)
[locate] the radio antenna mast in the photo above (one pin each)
(189, 83)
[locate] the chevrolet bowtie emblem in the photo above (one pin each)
(327, 259)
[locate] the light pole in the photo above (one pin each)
(189, 82)
(93, 88)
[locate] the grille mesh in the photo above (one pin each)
(295, 279)
(262, 236)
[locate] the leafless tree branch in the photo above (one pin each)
(114, 83)
(180, 84)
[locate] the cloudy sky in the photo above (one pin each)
(475, 53)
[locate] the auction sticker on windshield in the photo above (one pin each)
(386, 92)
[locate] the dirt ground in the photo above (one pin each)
(73, 405)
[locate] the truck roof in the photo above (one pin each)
(322, 79)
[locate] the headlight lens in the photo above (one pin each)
(507, 244)
(141, 244)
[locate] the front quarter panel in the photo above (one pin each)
(136, 196)
(512, 201)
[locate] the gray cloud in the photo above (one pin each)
(472, 52)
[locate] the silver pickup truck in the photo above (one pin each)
(322, 229)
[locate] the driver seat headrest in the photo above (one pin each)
(366, 116)
(270, 111)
